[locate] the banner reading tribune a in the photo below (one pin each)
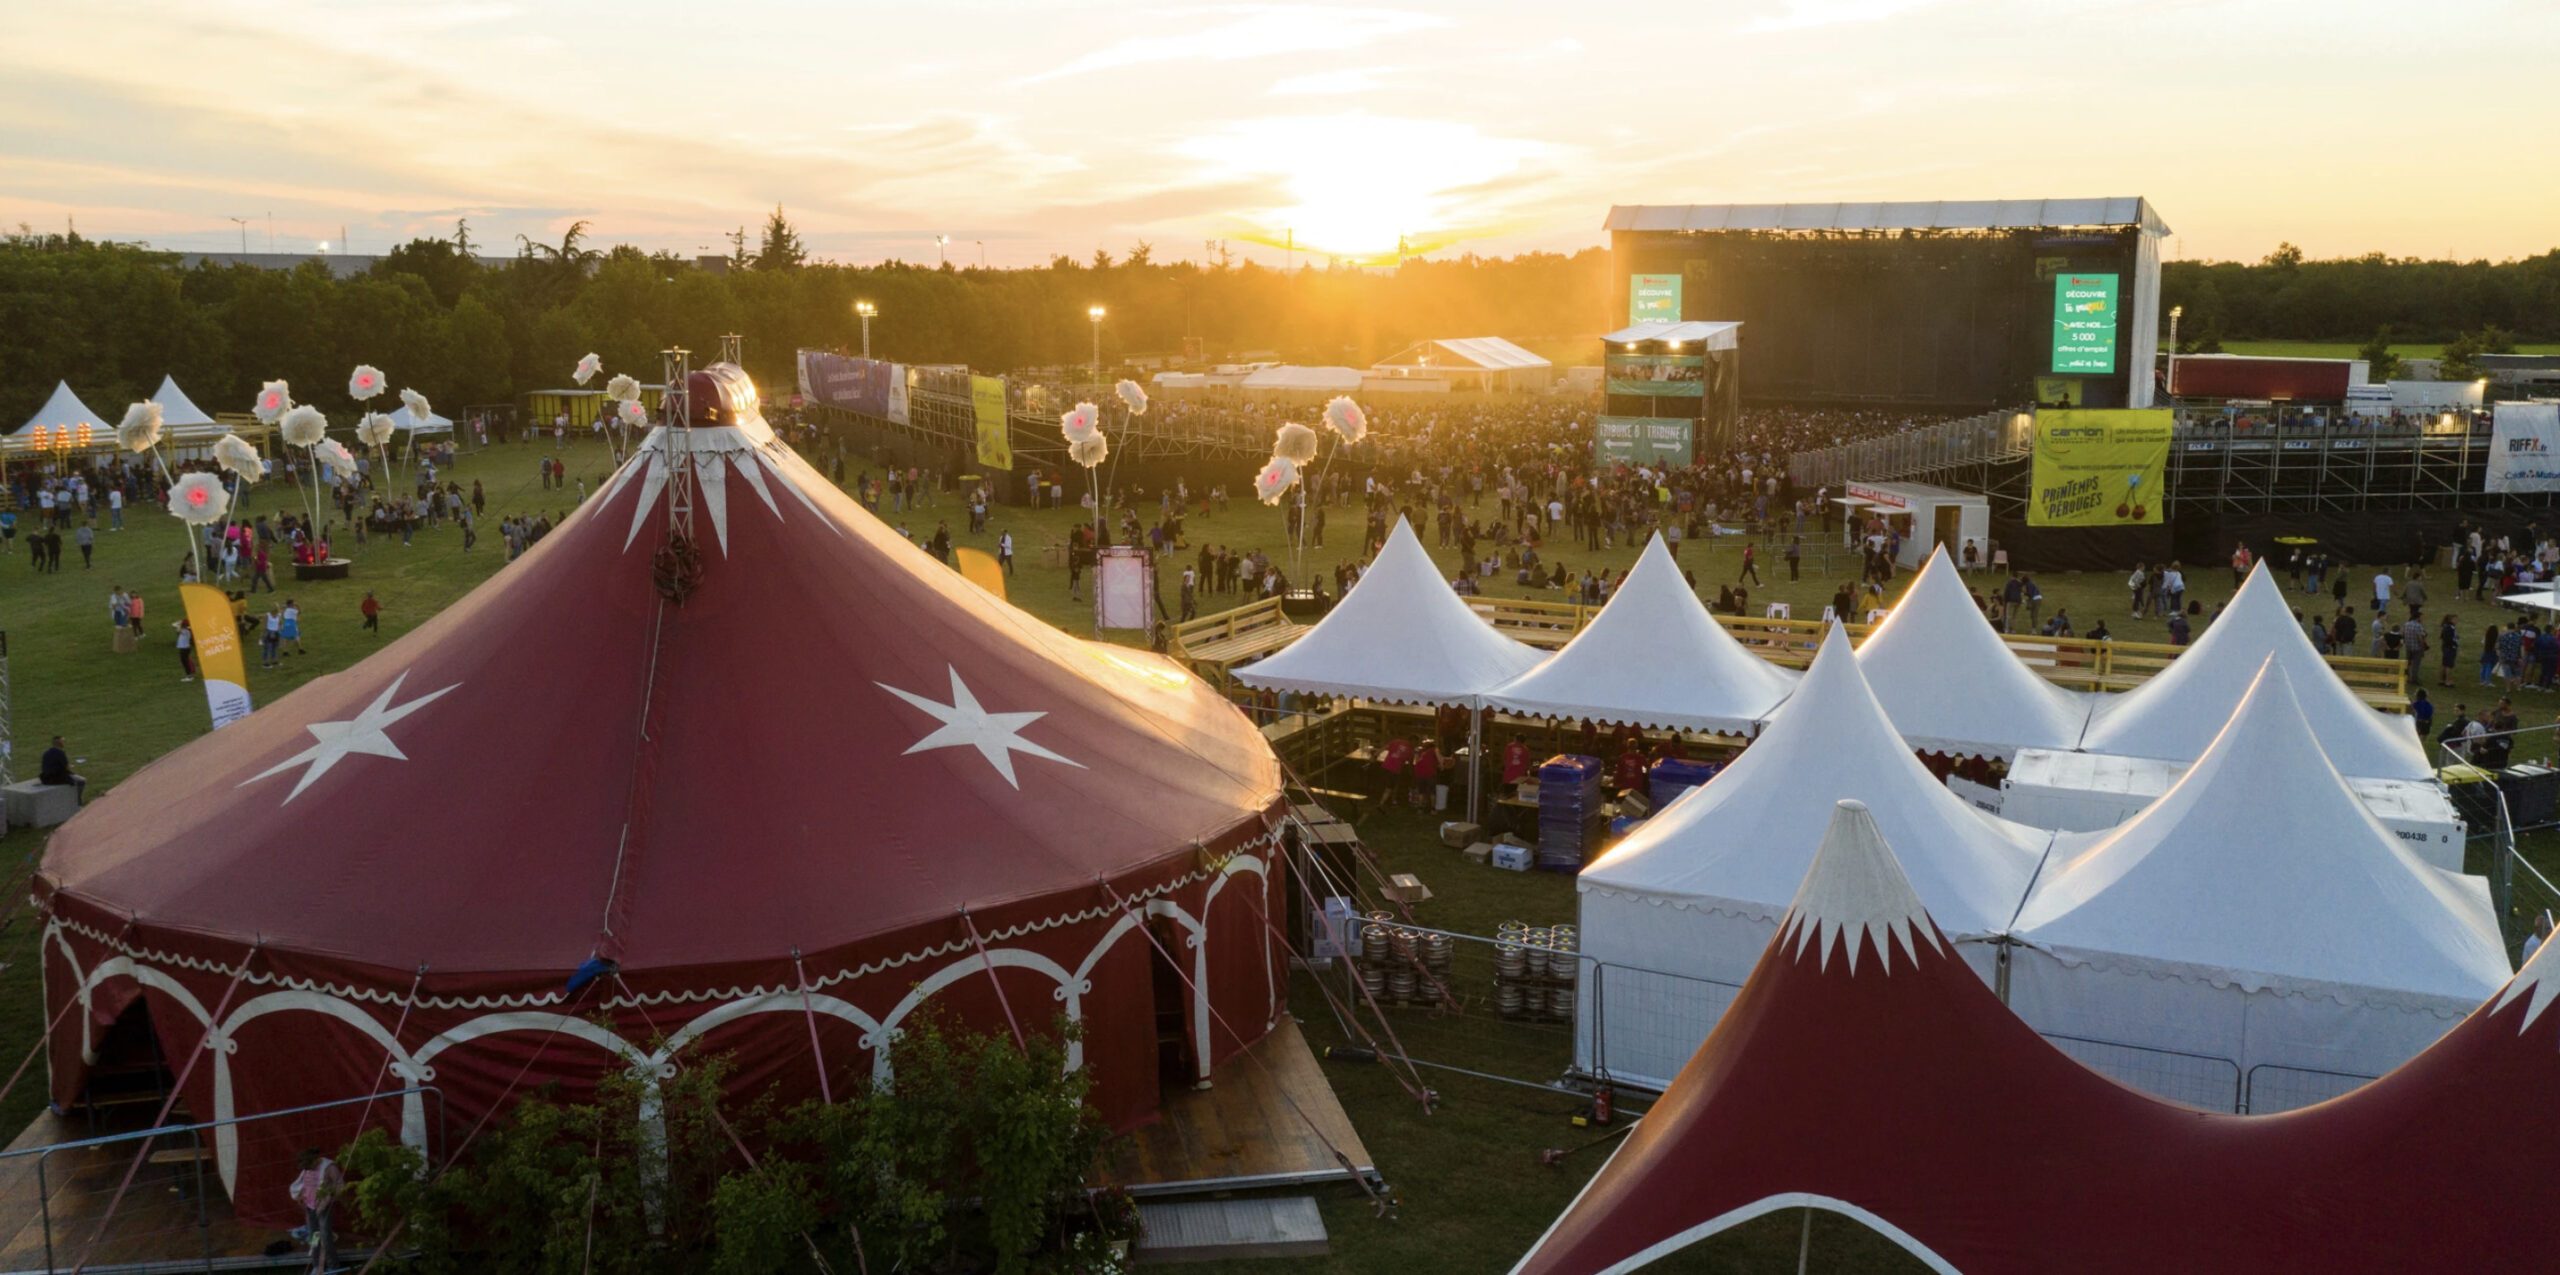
(2099, 468)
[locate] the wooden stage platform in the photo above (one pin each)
(171, 1219)
(1244, 1133)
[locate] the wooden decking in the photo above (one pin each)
(162, 1219)
(1245, 1132)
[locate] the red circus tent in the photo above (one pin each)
(834, 782)
(1865, 1069)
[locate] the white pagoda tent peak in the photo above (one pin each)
(177, 411)
(2175, 715)
(2256, 913)
(64, 408)
(1653, 657)
(1952, 686)
(1401, 635)
(1697, 891)
(1855, 896)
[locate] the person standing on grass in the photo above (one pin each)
(2381, 591)
(87, 538)
(292, 626)
(2422, 712)
(186, 652)
(271, 639)
(2448, 641)
(2511, 657)
(372, 611)
(2488, 653)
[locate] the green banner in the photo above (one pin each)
(1644, 440)
(2099, 468)
(2084, 323)
(1658, 375)
(1653, 298)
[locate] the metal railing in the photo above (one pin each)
(2271, 1087)
(1974, 440)
(73, 1207)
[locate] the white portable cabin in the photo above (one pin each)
(2092, 792)
(1925, 514)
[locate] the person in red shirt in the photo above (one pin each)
(1630, 772)
(1396, 759)
(1626, 737)
(372, 610)
(1515, 761)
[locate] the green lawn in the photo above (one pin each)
(1472, 1192)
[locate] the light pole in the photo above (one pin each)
(982, 252)
(1095, 313)
(243, 224)
(942, 249)
(2174, 312)
(866, 310)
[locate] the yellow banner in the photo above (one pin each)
(995, 446)
(980, 568)
(218, 659)
(2099, 468)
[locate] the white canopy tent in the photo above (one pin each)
(1952, 686)
(177, 411)
(1674, 917)
(64, 408)
(2176, 714)
(1652, 657)
(1400, 636)
(407, 422)
(2257, 914)
(1290, 378)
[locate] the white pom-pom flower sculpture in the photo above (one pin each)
(374, 430)
(304, 426)
(275, 398)
(1275, 480)
(1090, 450)
(633, 414)
(622, 388)
(1133, 396)
(1295, 443)
(1344, 417)
(140, 431)
(1081, 422)
(335, 455)
(365, 382)
(419, 412)
(587, 369)
(198, 499)
(234, 454)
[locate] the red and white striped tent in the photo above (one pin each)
(1866, 1070)
(834, 783)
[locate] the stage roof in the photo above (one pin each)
(1481, 353)
(1711, 336)
(1950, 214)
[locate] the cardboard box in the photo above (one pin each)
(1634, 802)
(1458, 835)
(1480, 852)
(1528, 790)
(1404, 887)
(1511, 858)
(1513, 839)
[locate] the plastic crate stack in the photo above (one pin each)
(1673, 776)
(1568, 810)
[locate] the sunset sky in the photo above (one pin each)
(2346, 126)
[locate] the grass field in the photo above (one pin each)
(1473, 1195)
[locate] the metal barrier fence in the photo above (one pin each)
(2198, 1080)
(177, 1201)
(1991, 436)
(2270, 1088)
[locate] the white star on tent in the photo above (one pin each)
(996, 736)
(367, 733)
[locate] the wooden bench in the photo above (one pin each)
(1229, 638)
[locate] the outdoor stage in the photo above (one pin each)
(1245, 1132)
(174, 1217)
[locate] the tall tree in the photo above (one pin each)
(781, 249)
(2380, 363)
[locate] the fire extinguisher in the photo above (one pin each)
(1603, 1105)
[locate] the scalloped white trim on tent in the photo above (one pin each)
(1652, 657)
(1856, 897)
(64, 408)
(2261, 871)
(1400, 636)
(2175, 715)
(1952, 686)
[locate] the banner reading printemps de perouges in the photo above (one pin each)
(1644, 440)
(2099, 468)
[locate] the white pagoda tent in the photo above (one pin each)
(407, 422)
(64, 408)
(1652, 657)
(2256, 914)
(2177, 714)
(177, 411)
(1400, 636)
(1674, 917)
(1952, 686)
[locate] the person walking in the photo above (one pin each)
(1795, 558)
(2448, 641)
(87, 538)
(271, 639)
(371, 608)
(186, 652)
(1004, 553)
(1750, 568)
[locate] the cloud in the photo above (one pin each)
(1805, 15)
(1341, 83)
(1253, 32)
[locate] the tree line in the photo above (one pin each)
(438, 316)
